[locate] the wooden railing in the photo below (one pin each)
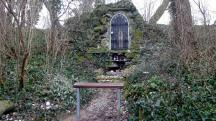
(117, 86)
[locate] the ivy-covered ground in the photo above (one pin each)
(46, 95)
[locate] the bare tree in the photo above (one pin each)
(54, 7)
(17, 24)
(205, 35)
(183, 34)
(2, 20)
(55, 40)
(147, 10)
(203, 10)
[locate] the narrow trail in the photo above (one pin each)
(103, 107)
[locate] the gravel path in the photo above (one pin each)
(102, 108)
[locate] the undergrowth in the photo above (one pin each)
(45, 96)
(158, 99)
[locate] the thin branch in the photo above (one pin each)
(65, 9)
(10, 11)
(202, 10)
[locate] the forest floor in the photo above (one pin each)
(103, 107)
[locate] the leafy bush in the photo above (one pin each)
(158, 100)
(61, 89)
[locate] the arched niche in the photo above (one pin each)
(119, 32)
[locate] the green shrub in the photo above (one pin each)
(159, 100)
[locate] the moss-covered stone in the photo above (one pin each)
(95, 29)
(5, 106)
(100, 29)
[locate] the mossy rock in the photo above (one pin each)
(100, 29)
(134, 55)
(6, 106)
(104, 21)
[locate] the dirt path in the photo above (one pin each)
(102, 108)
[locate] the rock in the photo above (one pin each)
(6, 106)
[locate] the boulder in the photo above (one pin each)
(6, 106)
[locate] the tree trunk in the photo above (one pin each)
(22, 58)
(55, 24)
(159, 12)
(183, 34)
(2, 14)
(15, 43)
